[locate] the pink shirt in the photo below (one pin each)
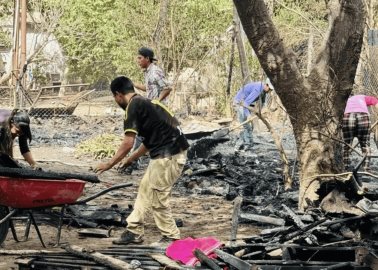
(360, 103)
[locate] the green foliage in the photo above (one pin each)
(103, 146)
(5, 39)
(101, 38)
(6, 8)
(6, 11)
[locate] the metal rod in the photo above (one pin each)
(59, 233)
(37, 229)
(94, 196)
(13, 230)
(11, 213)
(27, 230)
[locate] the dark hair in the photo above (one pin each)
(148, 53)
(122, 85)
(6, 141)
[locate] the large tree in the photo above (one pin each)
(315, 103)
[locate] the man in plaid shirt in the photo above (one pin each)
(155, 84)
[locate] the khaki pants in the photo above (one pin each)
(154, 194)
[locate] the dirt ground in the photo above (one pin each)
(202, 215)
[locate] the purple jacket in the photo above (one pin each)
(248, 94)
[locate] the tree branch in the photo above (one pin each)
(278, 62)
(300, 14)
(342, 46)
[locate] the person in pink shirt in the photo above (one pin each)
(356, 123)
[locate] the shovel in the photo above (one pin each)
(225, 131)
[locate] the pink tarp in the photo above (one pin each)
(182, 250)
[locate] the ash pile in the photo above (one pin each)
(289, 239)
(215, 167)
(49, 131)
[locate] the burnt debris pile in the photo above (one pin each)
(221, 170)
(49, 131)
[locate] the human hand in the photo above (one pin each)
(36, 167)
(122, 166)
(100, 168)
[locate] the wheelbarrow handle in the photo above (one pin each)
(102, 192)
(8, 216)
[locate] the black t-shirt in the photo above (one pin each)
(22, 141)
(156, 125)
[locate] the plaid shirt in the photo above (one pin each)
(155, 81)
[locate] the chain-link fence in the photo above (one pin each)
(370, 64)
(59, 100)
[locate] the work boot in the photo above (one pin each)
(164, 242)
(128, 237)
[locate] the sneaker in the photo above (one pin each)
(164, 242)
(128, 237)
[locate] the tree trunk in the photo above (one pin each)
(242, 55)
(163, 14)
(316, 103)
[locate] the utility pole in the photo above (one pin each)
(23, 35)
(23, 52)
(18, 56)
(16, 24)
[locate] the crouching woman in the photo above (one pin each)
(16, 124)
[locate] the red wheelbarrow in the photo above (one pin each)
(18, 193)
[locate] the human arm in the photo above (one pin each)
(140, 86)
(29, 159)
(371, 101)
(25, 151)
(164, 93)
(252, 96)
(142, 150)
(123, 150)
(163, 84)
(238, 97)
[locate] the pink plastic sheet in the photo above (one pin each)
(182, 250)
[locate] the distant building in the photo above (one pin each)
(53, 64)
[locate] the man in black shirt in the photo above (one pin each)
(167, 147)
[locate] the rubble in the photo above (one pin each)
(288, 239)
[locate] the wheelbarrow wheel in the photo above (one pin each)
(4, 227)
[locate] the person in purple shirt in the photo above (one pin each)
(246, 97)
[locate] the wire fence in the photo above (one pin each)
(81, 100)
(59, 101)
(370, 64)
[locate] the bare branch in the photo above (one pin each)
(305, 18)
(342, 46)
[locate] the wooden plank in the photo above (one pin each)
(98, 257)
(235, 218)
(205, 260)
(64, 85)
(263, 219)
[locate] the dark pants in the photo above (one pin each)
(356, 125)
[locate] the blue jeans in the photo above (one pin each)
(246, 133)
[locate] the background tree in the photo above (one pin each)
(101, 38)
(315, 103)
